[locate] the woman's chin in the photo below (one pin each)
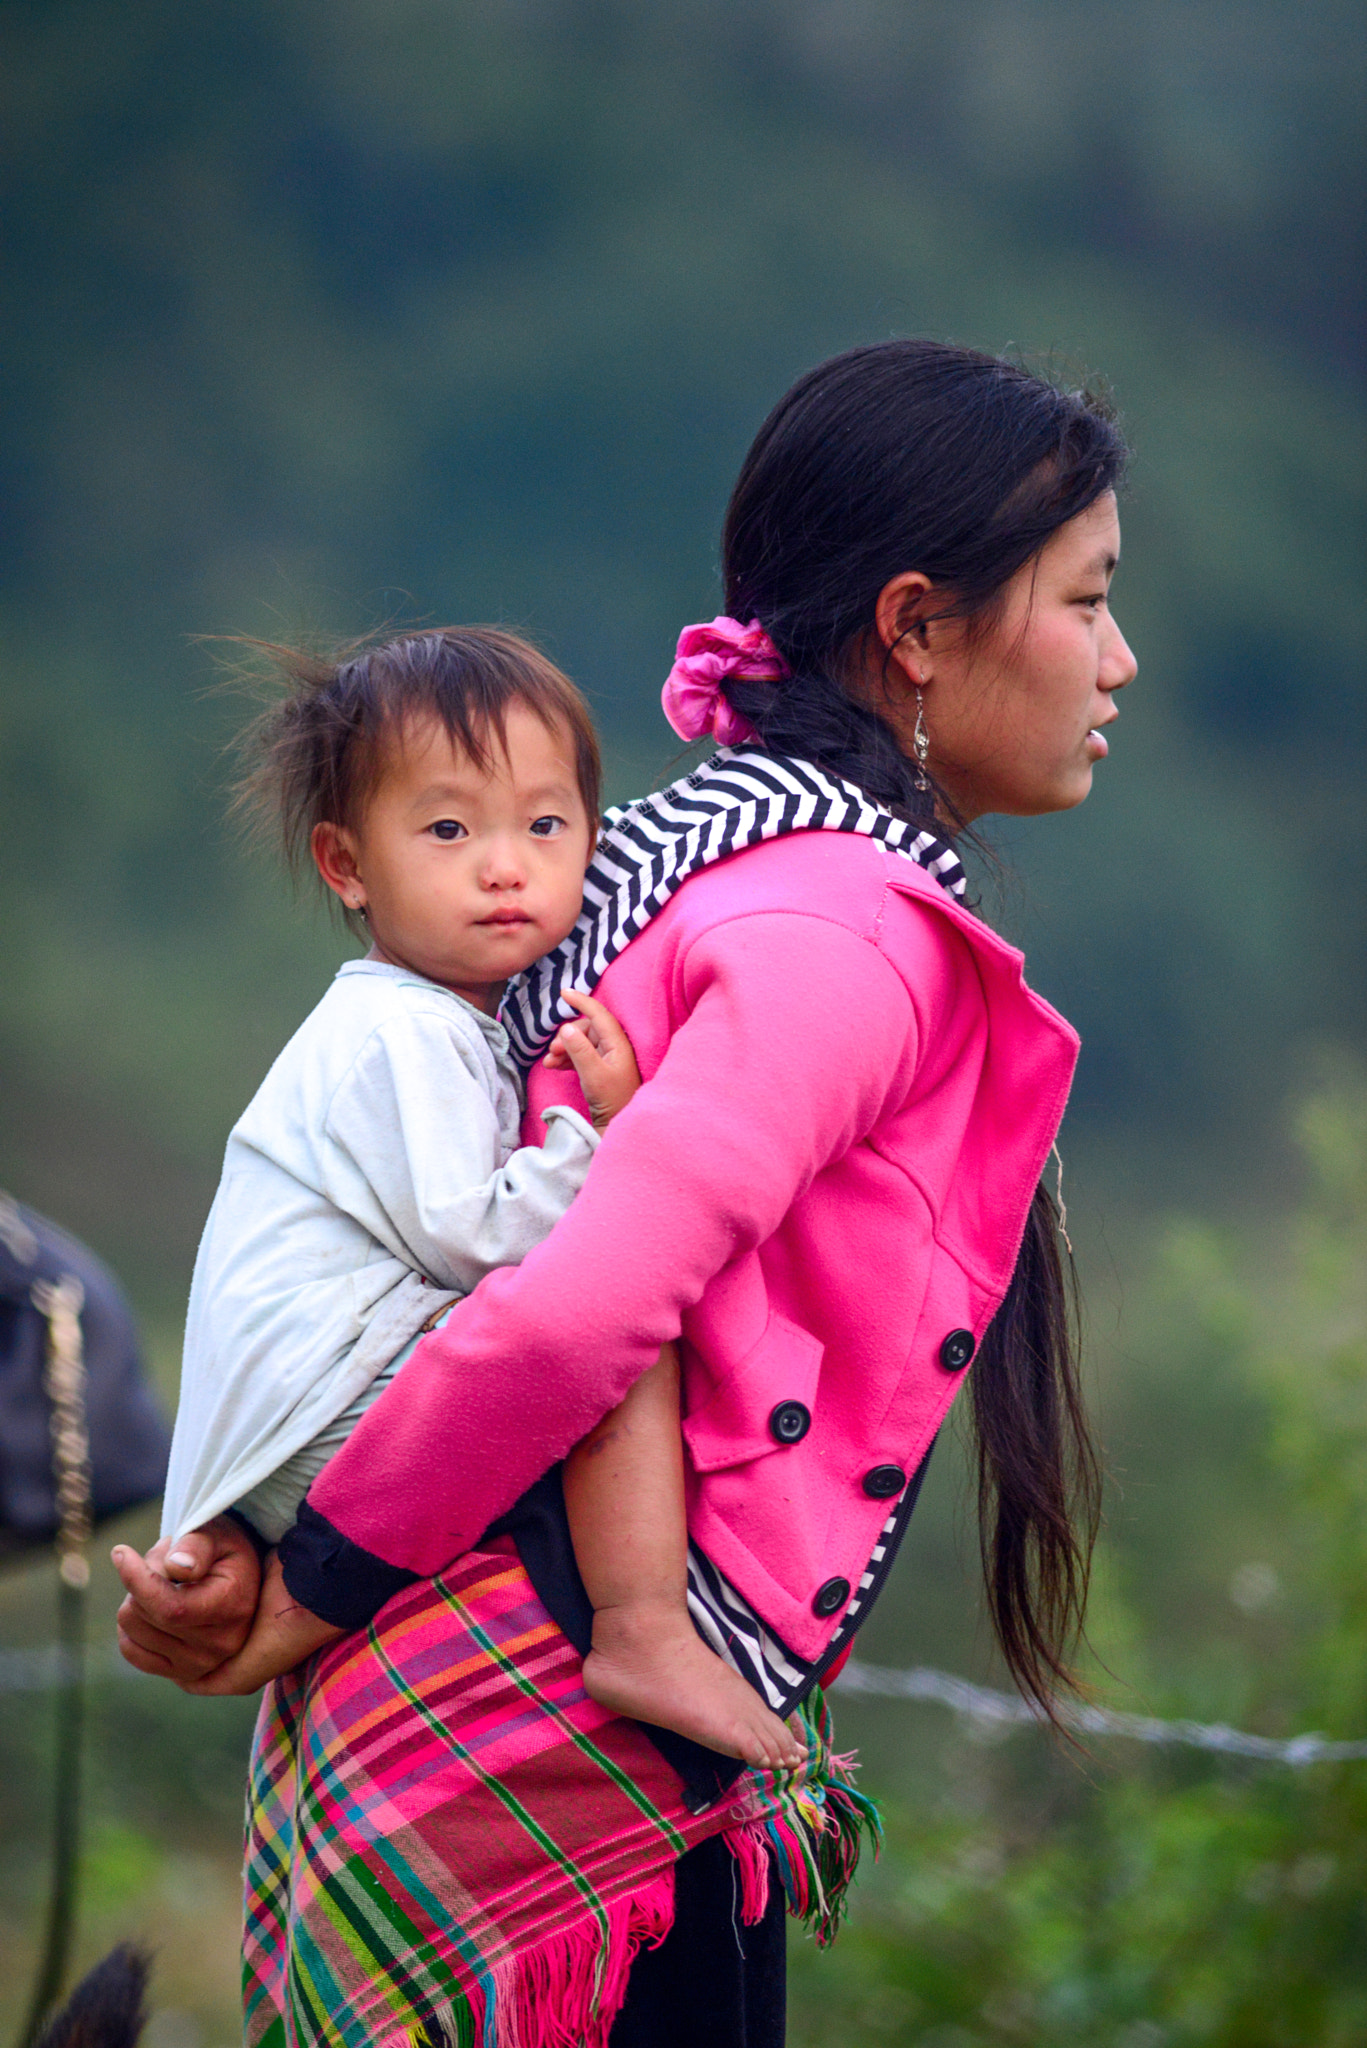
(1074, 784)
(1064, 793)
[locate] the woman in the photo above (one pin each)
(831, 1189)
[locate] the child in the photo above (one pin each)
(446, 786)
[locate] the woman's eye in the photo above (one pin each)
(447, 828)
(547, 828)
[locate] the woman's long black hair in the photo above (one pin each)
(911, 455)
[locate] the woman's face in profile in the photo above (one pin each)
(1017, 721)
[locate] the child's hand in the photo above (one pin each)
(181, 1620)
(283, 1634)
(600, 1052)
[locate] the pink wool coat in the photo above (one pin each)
(851, 1096)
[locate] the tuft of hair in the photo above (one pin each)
(1039, 1473)
(317, 752)
(108, 2007)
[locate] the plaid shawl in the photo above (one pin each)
(450, 1843)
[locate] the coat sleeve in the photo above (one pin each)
(796, 1036)
(412, 1147)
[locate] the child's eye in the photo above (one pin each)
(448, 828)
(547, 828)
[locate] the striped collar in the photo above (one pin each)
(649, 848)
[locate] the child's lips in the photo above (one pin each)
(505, 917)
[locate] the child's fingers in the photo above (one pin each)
(602, 1027)
(571, 1047)
(583, 1055)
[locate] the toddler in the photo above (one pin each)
(446, 786)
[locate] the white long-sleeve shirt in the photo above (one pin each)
(374, 1178)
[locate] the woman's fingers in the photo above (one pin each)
(283, 1635)
(190, 1558)
(154, 1650)
(184, 1630)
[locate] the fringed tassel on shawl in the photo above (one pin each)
(809, 1823)
(814, 1820)
(567, 1991)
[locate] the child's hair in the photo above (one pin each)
(316, 754)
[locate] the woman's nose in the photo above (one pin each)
(1118, 665)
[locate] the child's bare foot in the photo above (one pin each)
(650, 1663)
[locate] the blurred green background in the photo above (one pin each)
(320, 316)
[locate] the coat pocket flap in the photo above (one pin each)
(764, 1404)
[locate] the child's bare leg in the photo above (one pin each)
(625, 1499)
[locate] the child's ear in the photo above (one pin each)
(334, 855)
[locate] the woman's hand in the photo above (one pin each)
(191, 1603)
(283, 1635)
(600, 1052)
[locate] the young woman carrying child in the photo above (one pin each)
(446, 786)
(830, 1187)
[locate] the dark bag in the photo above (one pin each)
(80, 1438)
(44, 1273)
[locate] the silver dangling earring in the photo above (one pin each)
(920, 743)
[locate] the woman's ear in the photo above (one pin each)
(902, 646)
(334, 855)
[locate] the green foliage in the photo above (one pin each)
(1173, 1899)
(320, 315)
(324, 314)
(1136, 1899)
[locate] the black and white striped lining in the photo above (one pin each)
(649, 848)
(730, 1626)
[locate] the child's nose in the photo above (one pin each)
(502, 867)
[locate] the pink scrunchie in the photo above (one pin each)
(692, 698)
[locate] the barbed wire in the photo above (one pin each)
(980, 1704)
(38, 1670)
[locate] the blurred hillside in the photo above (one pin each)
(319, 316)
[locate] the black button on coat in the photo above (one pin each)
(789, 1422)
(884, 1481)
(957, 1349)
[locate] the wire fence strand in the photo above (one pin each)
(980, 1705)
(39, 1670)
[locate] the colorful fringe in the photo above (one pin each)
(450, 1843)
(810, 1824)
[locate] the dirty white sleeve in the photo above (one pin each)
(413, 1150)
